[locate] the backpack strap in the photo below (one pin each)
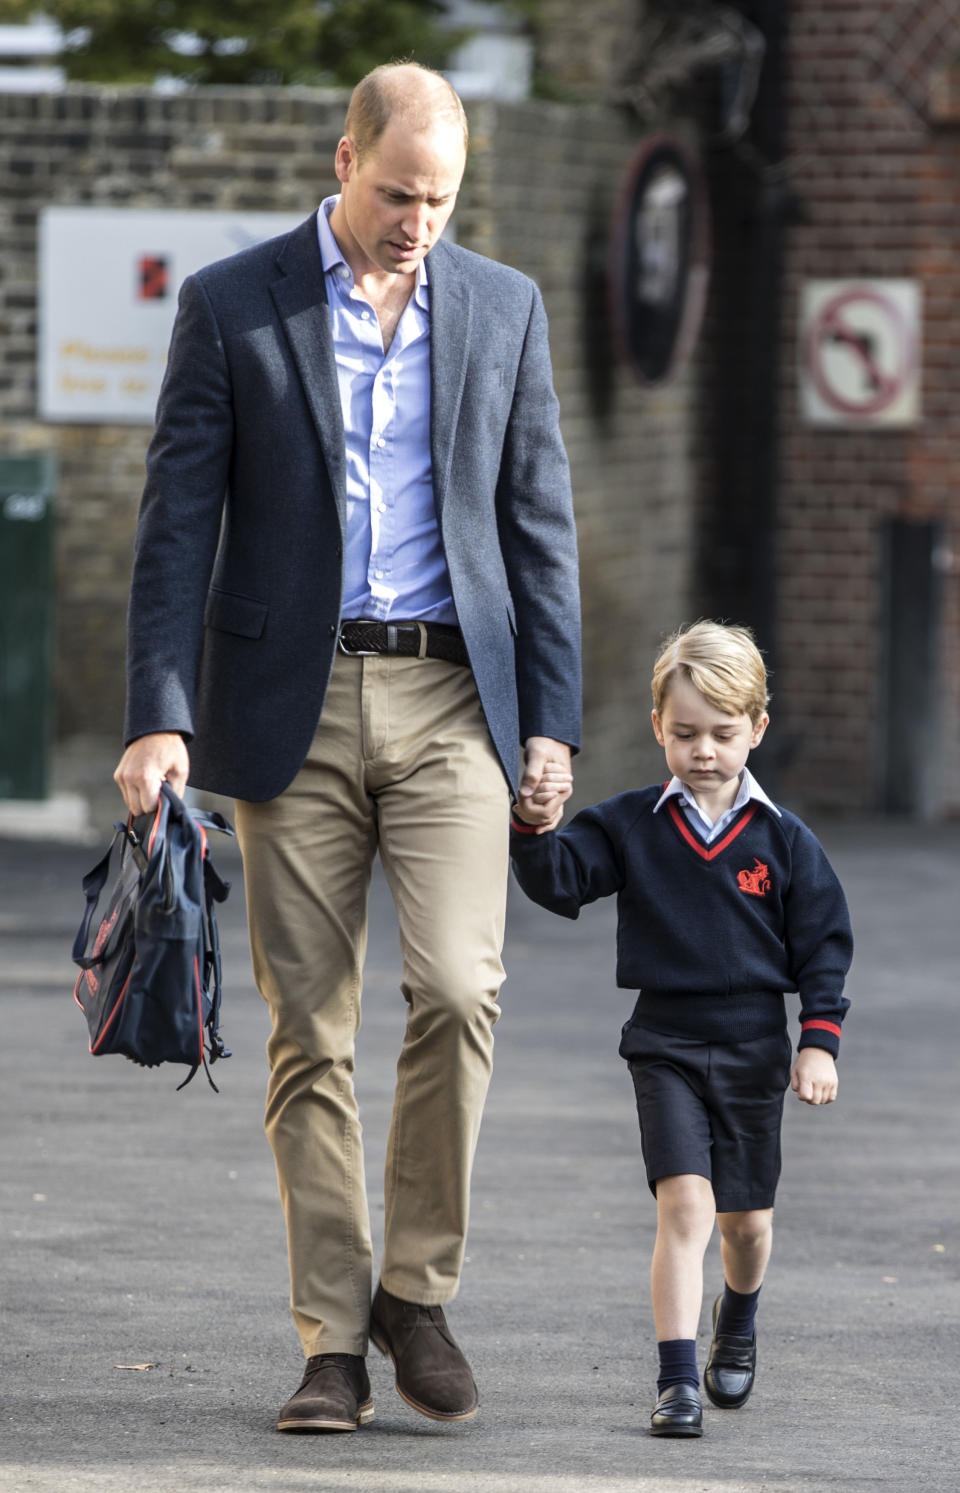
(211, 819)
(215, 889)
(94, 883)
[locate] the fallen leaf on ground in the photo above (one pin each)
(136, 1367)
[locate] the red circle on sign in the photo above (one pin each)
(886, 387)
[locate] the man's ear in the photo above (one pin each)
(345, 159)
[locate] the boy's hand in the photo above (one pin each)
(526, 816)
(544, 807)
(814, 1076)
(547, 784)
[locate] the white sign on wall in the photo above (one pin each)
(109, 279)
(859, 349)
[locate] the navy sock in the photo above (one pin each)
(678, 1363)
(738, 1312)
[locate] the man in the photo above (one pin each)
(355, 596)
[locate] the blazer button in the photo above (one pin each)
(333, 629)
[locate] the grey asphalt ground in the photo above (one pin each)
(144, 1336)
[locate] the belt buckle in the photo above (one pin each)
(393, 629)
(354, 652)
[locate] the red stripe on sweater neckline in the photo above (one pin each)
(710, 852)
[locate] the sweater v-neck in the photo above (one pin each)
(710, 852)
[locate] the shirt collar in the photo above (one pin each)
(749, 789)
(332, 255)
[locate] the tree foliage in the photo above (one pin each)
(240, 41)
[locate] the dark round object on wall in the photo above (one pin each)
(659, 259)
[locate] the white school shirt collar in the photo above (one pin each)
(749, 789)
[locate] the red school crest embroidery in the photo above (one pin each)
(755, 883)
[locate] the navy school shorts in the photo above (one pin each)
(713, 1109)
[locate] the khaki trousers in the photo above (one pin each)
(401, 762)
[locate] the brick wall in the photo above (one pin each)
(539, 193)
(873, 158)
(218, 149)
(879, 180)
(585, 51)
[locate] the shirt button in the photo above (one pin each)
(381, 442)
(365, 315)
(378, 574)
(381, 507)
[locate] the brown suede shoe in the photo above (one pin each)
(334, 1395)
(432, 1374)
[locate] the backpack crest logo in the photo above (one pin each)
(148, 948)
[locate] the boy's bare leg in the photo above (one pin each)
(685, 1217)
(745, 1243)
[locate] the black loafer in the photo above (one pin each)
(678, 1412)
(731, 1368)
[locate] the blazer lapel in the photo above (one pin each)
(301, 301)
(450, 317)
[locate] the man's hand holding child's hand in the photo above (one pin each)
(544, 806)
(814, 1076)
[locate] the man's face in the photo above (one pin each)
(396, 202)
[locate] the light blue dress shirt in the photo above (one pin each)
(698, 820)
(394, 565)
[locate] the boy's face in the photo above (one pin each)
(706, 748)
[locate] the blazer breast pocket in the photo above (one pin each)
(243, 615)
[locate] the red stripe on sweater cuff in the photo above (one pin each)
(520, 827)
(820, 1026)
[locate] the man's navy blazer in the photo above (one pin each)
(238, 570)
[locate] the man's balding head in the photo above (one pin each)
(415, 96)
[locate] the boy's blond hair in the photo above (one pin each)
(723, 662)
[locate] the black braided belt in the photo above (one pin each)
(407, 639)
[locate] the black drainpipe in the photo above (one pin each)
(750, 207)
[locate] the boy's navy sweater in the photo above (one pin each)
(710, 935)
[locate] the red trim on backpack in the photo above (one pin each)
(709, 852)
(106, 1025)
(153, 832)
(820, 1026)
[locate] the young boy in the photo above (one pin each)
(724, 901)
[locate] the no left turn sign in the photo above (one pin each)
(859, 352)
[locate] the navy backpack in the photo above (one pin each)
(148, 950)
